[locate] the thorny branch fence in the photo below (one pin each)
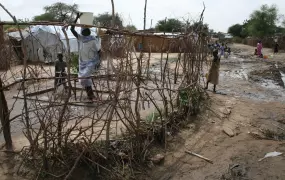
(141, 99)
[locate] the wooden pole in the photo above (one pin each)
(145, 5)
(4, 111)
(2, 46)
(113, 13)
(4, 117)
(110, 63)
(27, 119)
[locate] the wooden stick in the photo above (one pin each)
(144, 23)
(111, 30)
(39, 92)
(59, 103)
(27, 118)
(96, 91)
(113, 13)
(74, 165)
(199, 156)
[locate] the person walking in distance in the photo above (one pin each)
(213, 75)
(259, 49)
(222, 49)
(276, 48)
(60, 73)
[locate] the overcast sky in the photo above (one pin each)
(219, 14)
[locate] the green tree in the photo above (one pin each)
(236, 30)
(263, 22)
(131, 28)
(45, 17)
(105, 19)
(279, 29)
(58, 12)
(245, 33)
(199, 26)
(211, 31)
(170, 25)
(12, 28)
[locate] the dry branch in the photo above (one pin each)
(27, 120)
(137, 104)
(199, 156)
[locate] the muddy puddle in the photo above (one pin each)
(252, 78)
(246, 76)
(268, 75)
(281, 69)
(283, 77)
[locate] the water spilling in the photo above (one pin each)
(283, 77)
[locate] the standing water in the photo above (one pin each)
(282, 74)
(283, 77)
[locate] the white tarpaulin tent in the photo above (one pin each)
(44, 42)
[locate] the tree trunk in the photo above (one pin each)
(4, 116)
(4, 111)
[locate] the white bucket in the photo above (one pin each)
(86, 18)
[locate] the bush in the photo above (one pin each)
(237, 40)
(74, 63)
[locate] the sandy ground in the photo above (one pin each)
(16, 105)
(247, 106)
(8, 168)
(249, 101)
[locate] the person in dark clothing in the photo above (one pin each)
(276, 47)
(226, 47)
(60, 73)
(210, 49)
(229, 50)
(255, 52)
(213, 75)
(217, 45)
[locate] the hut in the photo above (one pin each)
(7, 54)
(158, 42)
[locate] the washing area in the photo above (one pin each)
(282, 73)
(248, 77)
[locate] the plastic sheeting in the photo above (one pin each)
(49, 38)
(16, 35)
(55, 30)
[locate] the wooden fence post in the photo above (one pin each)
(4, 111)
(4, 117)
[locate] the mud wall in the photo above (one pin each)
(113, 46)
(157, 44)
(7, 53)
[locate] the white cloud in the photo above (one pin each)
(219, 14)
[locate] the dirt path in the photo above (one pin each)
(251, 105)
